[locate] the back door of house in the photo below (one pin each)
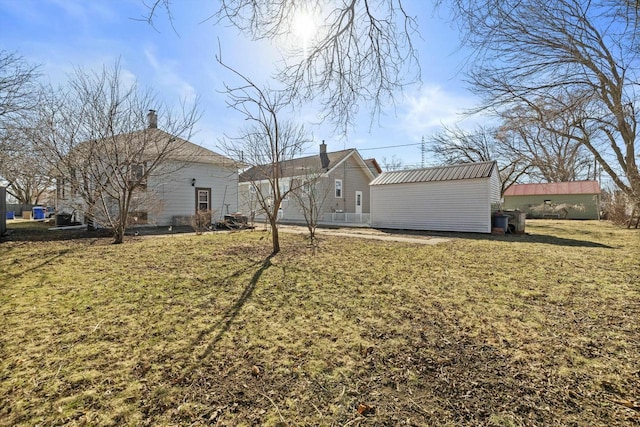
(359, 202)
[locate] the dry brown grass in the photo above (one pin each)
(200, 330)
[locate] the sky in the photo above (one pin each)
(179, 63)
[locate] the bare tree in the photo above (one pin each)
(310, 196)
(361, 51)
(18, 86)
(455, 145)
(392, 164)
(543, 142)
(566, 58)
(18, 97)
(265, 144)
(25, 172)
(104, 147)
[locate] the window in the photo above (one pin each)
(203, 200)
(136, 176)
(307, 188)
(284, 188)
(338, 188)
(60, 190)
(138, 217)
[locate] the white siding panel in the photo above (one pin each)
(495, 187)
(178, 198)
(460, 205)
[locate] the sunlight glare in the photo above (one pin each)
(304, 28)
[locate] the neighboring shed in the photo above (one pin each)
(445, 198)
(572, 200)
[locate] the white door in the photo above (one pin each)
(359, 202)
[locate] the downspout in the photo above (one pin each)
(224, 197)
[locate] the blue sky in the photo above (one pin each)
(64, 34)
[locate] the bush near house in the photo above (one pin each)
(537, 329)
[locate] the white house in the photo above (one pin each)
(189, 179)
(207, 181)
(445, 198)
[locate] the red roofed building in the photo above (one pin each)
(572, 200)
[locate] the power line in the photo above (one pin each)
(390, 146)
(309, 152)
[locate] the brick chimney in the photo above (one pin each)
(152, 119)
(324, 159)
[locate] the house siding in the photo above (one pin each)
(355, 180)
(178, 198)
(354, 174)
(525, 203)
(455, 205)
(495, 187)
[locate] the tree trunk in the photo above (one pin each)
(118, 235)
(89, 218)
(274, 235)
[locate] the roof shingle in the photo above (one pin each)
(295, 167)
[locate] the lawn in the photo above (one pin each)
(540, 329)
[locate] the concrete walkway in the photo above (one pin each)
(366, 233)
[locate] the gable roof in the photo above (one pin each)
(438, 173)
(154, 140)
(186, 151)
(554, 188)
(373, 166)
(297, 167)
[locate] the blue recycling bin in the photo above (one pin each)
(11, 215)
(39, 212)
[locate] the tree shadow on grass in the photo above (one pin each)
(513, 238)
(223, 325)
(44, 260)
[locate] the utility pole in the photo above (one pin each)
(423, 150)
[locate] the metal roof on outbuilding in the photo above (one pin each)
(438, 173)
(554, 188)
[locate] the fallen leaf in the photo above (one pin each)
(365, 409)
(255, 371)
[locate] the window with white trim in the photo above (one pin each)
(338, 187)
(284, 189)
(135, 175)
(204, 202)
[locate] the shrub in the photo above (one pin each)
(201, 221)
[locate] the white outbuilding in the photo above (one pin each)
(444, 198)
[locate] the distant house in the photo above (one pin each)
(195, 179)
(342, 178)
(445, 198)
(374, 166)
(571, 200)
